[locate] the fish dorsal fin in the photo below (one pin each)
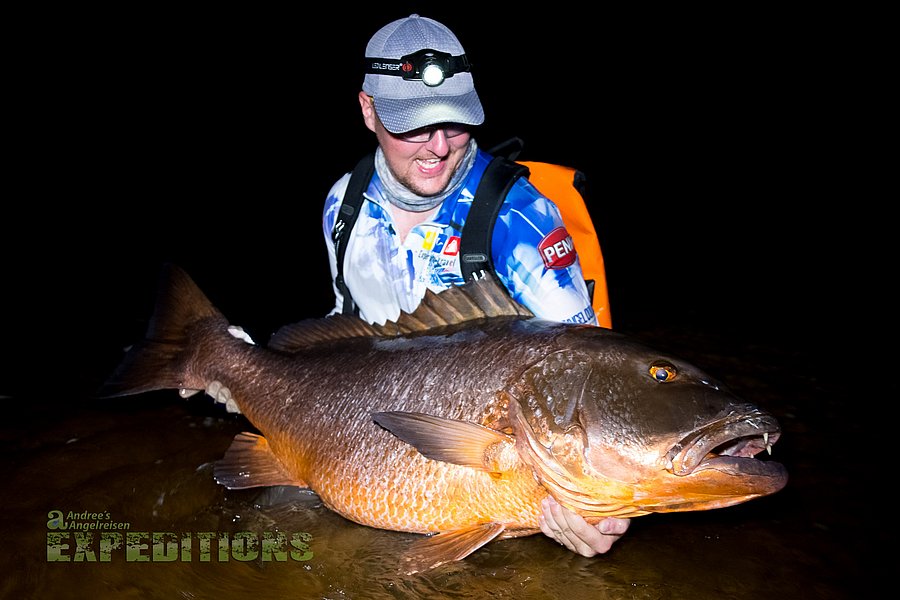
(452, 309)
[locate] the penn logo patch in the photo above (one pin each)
(557, 249)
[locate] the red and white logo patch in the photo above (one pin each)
(557, 249)
(451, 248)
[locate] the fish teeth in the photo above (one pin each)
(766, 438)
(222, 395)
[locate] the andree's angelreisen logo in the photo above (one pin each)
(94, 537)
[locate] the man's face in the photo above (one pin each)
(424, 167)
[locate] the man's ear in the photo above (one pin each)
(367, 105)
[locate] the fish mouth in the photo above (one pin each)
(729, 445)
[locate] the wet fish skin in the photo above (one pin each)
(460, 418)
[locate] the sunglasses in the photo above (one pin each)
(424, 134)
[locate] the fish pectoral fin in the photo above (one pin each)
(249, 462)
(451, 440)
(448, 546)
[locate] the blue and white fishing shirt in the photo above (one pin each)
(533, 254)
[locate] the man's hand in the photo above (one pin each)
(576, 534)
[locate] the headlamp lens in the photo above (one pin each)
(432, 75)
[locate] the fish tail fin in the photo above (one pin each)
(159, 361)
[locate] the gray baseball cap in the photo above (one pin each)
(405, 103)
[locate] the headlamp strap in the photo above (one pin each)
(411, 66)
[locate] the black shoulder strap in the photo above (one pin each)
(478, 230)
(353, 198)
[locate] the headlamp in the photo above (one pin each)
(431, 67)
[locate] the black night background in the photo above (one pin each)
(212, 141)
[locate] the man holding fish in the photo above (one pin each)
(419, 99)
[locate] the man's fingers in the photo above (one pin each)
(576, 534)
(614, 526)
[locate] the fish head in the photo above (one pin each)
(614, 428)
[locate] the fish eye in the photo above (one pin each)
(663, 372)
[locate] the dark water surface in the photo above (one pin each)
(147, 461)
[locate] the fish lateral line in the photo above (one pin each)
(452, 440)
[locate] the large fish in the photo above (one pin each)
(458, 419)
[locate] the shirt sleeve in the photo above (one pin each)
(329, 216)
(535, 258)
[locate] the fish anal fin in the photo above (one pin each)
(249, 462)
(448, 546)
(451, 440)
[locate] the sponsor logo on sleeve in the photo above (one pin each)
(585, 316)
(451, 248)
(557, 249)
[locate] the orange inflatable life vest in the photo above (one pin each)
(564, 186)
